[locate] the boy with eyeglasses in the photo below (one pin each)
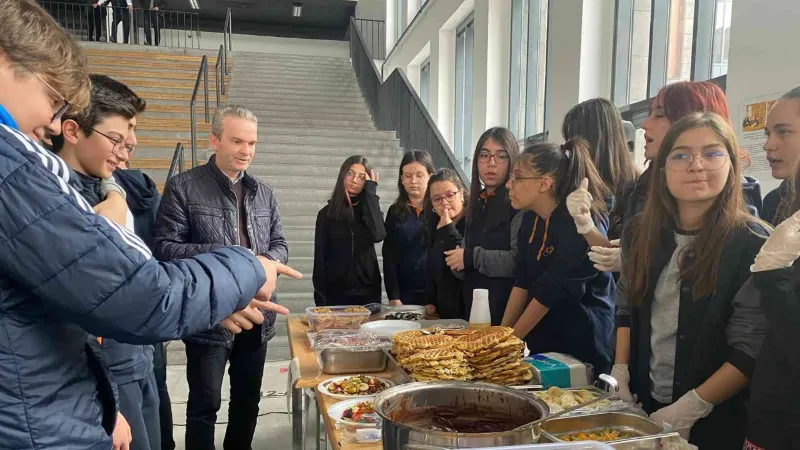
(65, 270)
(94, 143)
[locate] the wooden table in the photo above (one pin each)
(310, 378)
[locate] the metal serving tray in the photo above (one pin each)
(337, 361)
(637, 425)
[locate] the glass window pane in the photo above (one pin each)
(424, 83)
(722, 38)
(519, 28)
(681, 34)
(640, 50)
(400, 17)
(465, 37)
(528, 67)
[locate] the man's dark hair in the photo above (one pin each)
(109, 98)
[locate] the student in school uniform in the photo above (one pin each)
(488, 254)
(446, 200)
(782, 151)
(405, 251)
(346, 270)
(560, 302)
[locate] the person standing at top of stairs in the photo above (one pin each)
(215, 205)
(122, 13)
(153, 17)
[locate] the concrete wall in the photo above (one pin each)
(371, 9)
(268, 44)
(763, 59)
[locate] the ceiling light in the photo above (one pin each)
(297, 9)
(194, 4)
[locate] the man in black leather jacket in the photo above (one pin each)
(216, 205)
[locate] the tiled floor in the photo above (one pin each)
(274, 429)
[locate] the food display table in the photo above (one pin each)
(335, 437)
(306, 377)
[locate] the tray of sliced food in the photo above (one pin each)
(602, 427)
(337, 317)
(355, 386)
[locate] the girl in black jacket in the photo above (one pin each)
(405, 251)
(490, 245)
(685, 342)
(446, 199)
(346, 268)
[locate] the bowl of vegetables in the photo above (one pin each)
(355, 413)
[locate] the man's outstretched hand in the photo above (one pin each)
(251, 316)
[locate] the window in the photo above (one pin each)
(631, 51)
(465, 39)
(722, 38)
(528, 67)
(400, 14)
(681, 35)
(424, 82)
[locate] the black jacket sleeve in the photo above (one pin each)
(781, 305)
(319, 278)
(172, 232)
(278, 248)
(373, 217)
(390, 279)
(431, 287)
(449, 237)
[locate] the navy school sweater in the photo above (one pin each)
(405, 253)
(553, 265)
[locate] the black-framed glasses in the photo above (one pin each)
(65, 104)
(449, 196)
(501, 156)
(119, 143)
(681, 161)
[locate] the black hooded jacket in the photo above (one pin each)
(143, 200)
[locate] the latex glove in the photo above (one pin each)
(623, 376)
(683, 414)
(110, 185)
(579, 205)
(607, 259)
(782, 248)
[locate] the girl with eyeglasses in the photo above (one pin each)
(488, 253)
(672, 102)
(346, 270)
(446, 203)
(405, 252)
(559, 303)
(685, 341)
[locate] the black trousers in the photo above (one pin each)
(164, 403)
(155, 20)
(96, 19)
(124, 16)
(138, 403)
(205, 368)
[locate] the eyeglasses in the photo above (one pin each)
(355, 176)
(501, 156)
(65, 104)
(119, 143)
(449, 196)
(680, 161)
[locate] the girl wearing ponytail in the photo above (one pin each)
(560, 302)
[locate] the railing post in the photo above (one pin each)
(205, 83)
(194, 137)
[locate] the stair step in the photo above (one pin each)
(152, 74)
(269, 159)
(168, 87)
(159, 169)
(148, 56)
(102, 63)
(321, 98)
(150, 123)
(168, 139)
(294, 79)
(143, 151)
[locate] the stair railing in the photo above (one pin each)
(395, 106)
(219, 70)
(202, 74)
(227, 32)
(177, 161)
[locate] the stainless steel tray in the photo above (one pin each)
(637, 425)
(337, 361)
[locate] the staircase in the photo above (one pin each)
(311, 117)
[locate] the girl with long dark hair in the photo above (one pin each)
(599, 123)
(446, 201)
(346, 268)
(685, 342)
(490, 244)
(559, 303)
(405, 250)
(672, 102)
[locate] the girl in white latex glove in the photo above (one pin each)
(579, 205)
(607, 259)
(683, 414)
(623, 376)
(782, 248)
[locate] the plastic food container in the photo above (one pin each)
(403, 312)
(337, 317)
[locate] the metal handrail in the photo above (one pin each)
(177, 161)
(220, 74)
(203, 71)
(226, 38)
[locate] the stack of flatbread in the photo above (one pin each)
(495, 356)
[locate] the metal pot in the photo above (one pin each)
(400, 433)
